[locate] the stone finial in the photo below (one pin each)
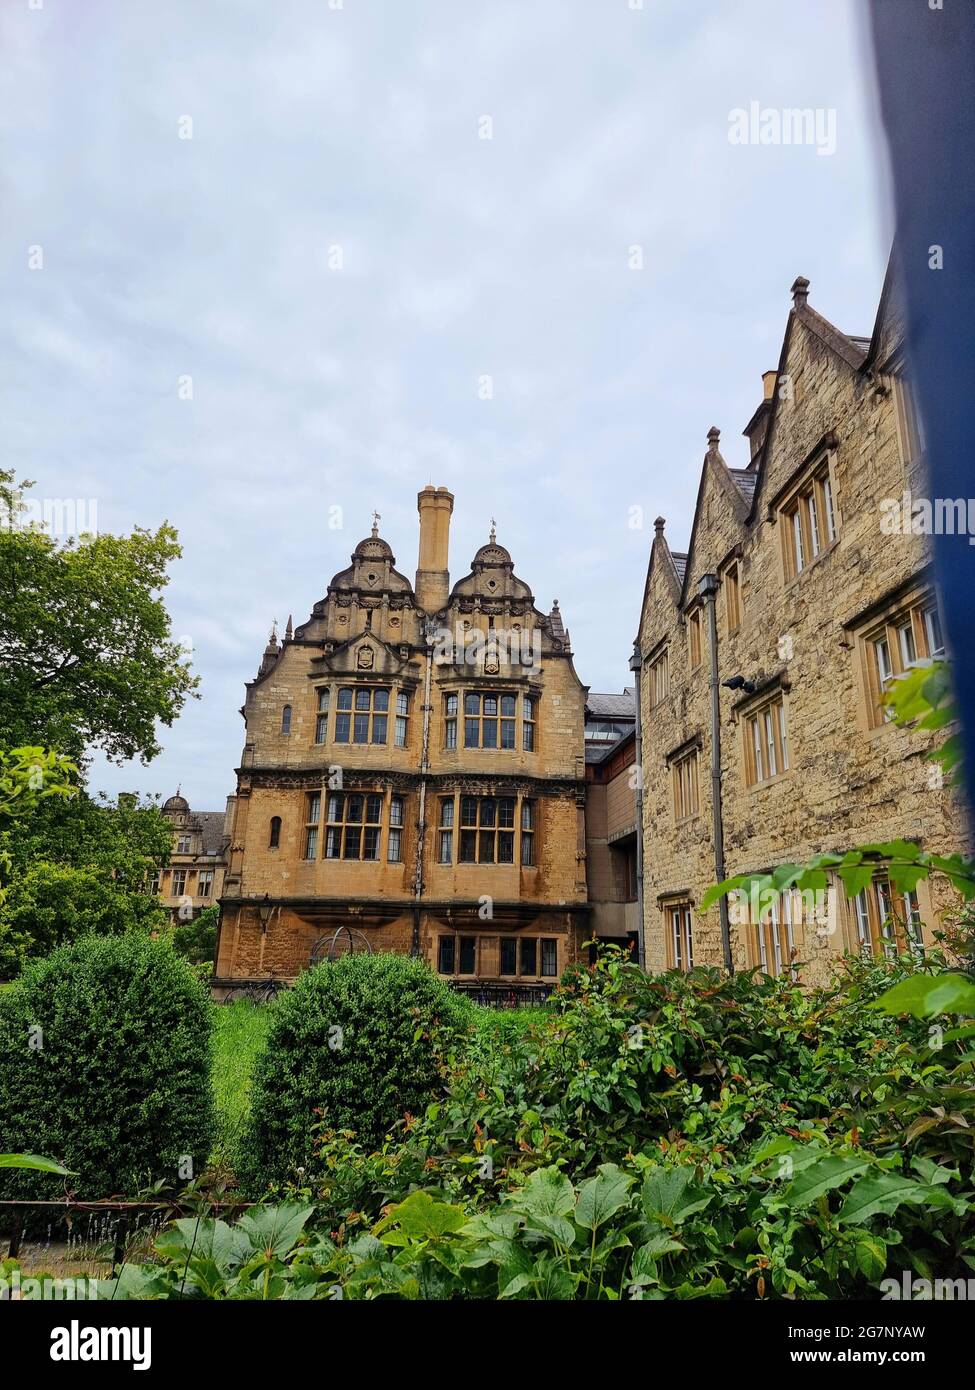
(659, 525)
(289, 630)
(375, 525)
(799, 291)
(714, 434)
(272, 641)
(492, 539)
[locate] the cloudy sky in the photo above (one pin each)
(338, 258)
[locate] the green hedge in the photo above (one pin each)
(105, 1065)
(356, 1044)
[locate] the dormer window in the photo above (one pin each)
(809, 519)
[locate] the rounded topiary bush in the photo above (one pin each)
(105, 1066)
(355, 1045)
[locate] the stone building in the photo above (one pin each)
(611, 818)
(413, 771)
(808, 605)
(197, 863)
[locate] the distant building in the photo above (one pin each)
(611, 818)
(413, 772)
(194, 879)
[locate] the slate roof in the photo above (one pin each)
(679, 558)
(211, 824)
(745, 481)
(621, 706)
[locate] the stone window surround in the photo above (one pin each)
(322, 824)
(518, 830)
(458, 687)
(481, 939)
(658, 659)
(398, 685)
(689, 748)
(820, 459)
(911, 598)
(772, 696)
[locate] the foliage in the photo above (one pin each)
(85, 641)
(797, 1192)
(42, 1165)
(77, 866)
(52, 904)
(29, 775)
(104, 1063)
(196, 940)
(357, 1042)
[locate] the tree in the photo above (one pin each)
(85, 640)
(51, 904)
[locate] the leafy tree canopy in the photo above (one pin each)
(88, 657)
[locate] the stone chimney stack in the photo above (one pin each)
(435, 505)
(757, 427)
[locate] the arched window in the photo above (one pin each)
(275, 839)
(286, 720)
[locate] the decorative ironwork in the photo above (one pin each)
(330, 946)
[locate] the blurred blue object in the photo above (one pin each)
(925, 57)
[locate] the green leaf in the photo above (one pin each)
(923, 996)
(44, 1165)
(601, 1196)
(672, 1195)
(870, 1253)
(553, 1283)
(820, 1177)
(422, 1218)
(274, 1230)
(879, 1192)
(547, 1192)
(646, 1257)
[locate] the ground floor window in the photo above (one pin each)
(514, 957)
(776, 933)
(886, 922)
(680, 936)
(457, 955)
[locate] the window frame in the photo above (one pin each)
(482, 831)
(658, 678)
(921, 614)
(808, 516)
(686, 785)
(680, 934)
(731, 584)
(766, 743)
(321, 713)
(348, 717)
(498, 721)
(695, 637)
(879, 934)
(339, 829)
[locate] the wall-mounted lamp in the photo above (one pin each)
(264, 911)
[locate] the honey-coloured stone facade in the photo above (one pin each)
(817, 606)
(414, 774)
